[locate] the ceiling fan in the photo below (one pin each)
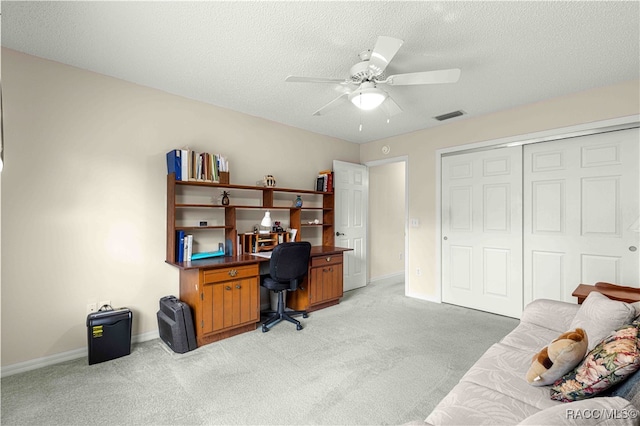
(369, 73)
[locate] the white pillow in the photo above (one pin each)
(599, 316)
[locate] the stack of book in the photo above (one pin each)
(324, 182)
(184, 246)
(189, 165)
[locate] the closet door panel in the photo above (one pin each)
(580, 204)
(482, 230)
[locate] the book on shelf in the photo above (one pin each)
(184, 157)
(324, 181)
(179, 246)
(174, 163)
(189, 165)
(188, 247)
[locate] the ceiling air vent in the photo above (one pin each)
(449, 115)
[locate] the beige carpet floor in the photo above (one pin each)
(376, 358)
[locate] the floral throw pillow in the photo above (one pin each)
(615, 358)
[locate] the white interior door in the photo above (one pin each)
(581, 198)
(351, 189)
(482, 230)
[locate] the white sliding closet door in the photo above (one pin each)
(581, 211)
(482, 230)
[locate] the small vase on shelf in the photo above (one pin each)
(298, 202)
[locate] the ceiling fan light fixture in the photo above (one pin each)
(368, 97)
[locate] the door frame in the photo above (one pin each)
(400, 159)
(620, 123)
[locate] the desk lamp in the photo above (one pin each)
(266, 222)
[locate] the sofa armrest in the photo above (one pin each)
(551, 314)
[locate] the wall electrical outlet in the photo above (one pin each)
(91, 307)
(418, 271)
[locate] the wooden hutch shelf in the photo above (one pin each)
(176, 189)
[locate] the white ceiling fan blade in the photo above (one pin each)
(386, 48)
(424, 77)
(390, 107)
(294, 79)
(332, 105)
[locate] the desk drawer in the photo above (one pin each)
(226, 274)
(329, 259)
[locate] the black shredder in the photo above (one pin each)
(109, 334)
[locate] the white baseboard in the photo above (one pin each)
(394, 278)
(46, 361)
(423, 297)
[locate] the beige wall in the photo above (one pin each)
(386, 220)
(594, 105)
(84, 193)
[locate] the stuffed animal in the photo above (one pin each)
(558, 358)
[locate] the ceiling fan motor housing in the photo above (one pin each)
(361, 72)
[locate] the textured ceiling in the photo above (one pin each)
(237, 54)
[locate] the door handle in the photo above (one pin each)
(339, 233)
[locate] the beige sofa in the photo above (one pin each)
(495, 392)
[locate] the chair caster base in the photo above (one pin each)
(298, 327)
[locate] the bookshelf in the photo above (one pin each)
(197, 196)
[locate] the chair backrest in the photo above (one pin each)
(290, 262)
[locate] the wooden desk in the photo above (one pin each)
(612, 291)
(224, 292)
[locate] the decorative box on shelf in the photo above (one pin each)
(224, 177)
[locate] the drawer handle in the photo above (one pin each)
(238, 286)
(328, 259)
(233, 272)
(227, 288)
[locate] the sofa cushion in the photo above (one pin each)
(599, 316)
(530, 337)
(502, 368)
(611, 361)
(614, 411)
(556, 359)
(551, 314)
(472, 404)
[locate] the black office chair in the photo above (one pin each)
(288, 266)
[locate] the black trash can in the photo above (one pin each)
(109, 334)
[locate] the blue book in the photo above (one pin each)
(180, 246)
(174, 163)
